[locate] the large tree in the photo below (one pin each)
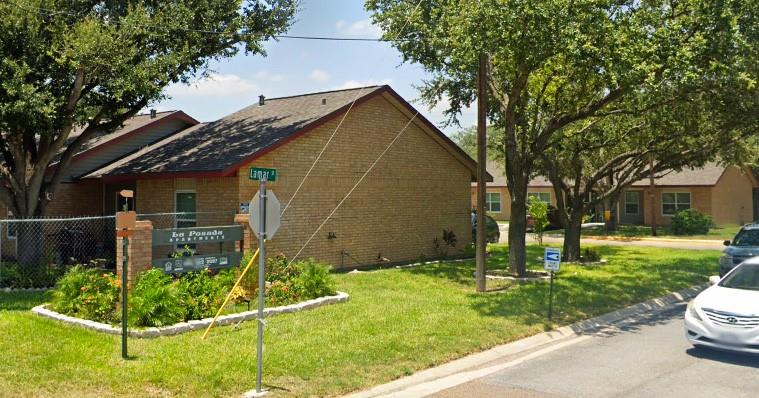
(553, 64)
(92, 64)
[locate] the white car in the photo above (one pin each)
(726, 315)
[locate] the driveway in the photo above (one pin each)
(647, 358)
(649, 242)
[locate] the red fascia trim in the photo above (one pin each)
(161, 175)
(232, 170)
(177, 115)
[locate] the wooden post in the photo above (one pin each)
(481, 171)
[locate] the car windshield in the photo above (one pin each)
(747, 237)
(745, 277)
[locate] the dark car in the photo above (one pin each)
(744, 245)
(492, 232)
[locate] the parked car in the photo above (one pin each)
(554, 222)
(744, 245)
(726, 315)
(492, 232)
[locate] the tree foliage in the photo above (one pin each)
(556, 65)
(81, 66)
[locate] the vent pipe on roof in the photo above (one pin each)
(261, 100)
(324, 101)
(153, 113)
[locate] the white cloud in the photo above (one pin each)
(215, 85)
(272, 77)
(362, 28)
(319, 75)
(355, 83)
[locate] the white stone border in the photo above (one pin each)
(183, 327)
(25, 289)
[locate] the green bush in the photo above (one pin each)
(201, 294)
(314, 280)
(690, 222)
(18, 276)
(155, 301)
(590, 255)
(538, 211)
(87, 293)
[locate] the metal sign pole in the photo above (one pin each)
(261, 280)
(550, 299)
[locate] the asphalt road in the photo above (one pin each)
(646, 358)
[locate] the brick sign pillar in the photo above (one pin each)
(140, 252)
(247, 233)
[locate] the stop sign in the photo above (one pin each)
(272, 218)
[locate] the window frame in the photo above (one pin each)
(676, 202)
(537, 194)
(489, 202)
(639, 198)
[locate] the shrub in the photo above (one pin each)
(281, 293)
(155, 301)
(88, 294)
(538, 211)
(201, 294)
(314, 280)
(590, 255)
(690, 222)
(279, 268)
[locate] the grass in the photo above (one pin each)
(720, 232)
(397, 321)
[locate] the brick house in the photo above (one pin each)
(418, 188)
(730, 195)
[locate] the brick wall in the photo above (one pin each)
(77, 199)
(416, 190)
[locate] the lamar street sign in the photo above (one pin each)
(261, 173)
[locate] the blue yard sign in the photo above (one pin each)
(552, 259)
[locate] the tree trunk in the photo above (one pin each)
(572, 235)
(518, 229)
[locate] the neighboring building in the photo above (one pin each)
(418, 187)
(730, 195)
(497, 198)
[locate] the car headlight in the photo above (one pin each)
(692, 310)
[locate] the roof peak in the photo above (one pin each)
(326, 92)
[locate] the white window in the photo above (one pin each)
(184, 203)
(544, 197)
(493, 202)
(632, 203)
(672, 202)
(12, 227)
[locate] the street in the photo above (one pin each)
(648, 357)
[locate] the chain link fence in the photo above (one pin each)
(35, 253)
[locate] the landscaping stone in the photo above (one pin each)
(194, 324)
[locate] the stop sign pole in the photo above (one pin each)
(261, 281)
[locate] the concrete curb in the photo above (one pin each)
(474, 361)
(184, 327)
(25, 289)
(639, 239)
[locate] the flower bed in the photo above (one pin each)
(159, 300)
(183, 327)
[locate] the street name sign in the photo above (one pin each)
(552, 259)
(261, 173)
(271, 218)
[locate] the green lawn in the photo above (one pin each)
(398, 321)
(720, 232)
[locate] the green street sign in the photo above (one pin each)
(259, 173)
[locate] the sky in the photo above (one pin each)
(294, 67)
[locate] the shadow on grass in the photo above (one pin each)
(21, 301)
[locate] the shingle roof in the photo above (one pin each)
(498, 171)
(218, 145)
(708, 175)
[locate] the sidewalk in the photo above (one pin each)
(475, 366)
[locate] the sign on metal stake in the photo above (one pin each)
(551, 263)
(264, 220)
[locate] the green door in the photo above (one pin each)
(186, 209)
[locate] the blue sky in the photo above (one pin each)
(300, 66)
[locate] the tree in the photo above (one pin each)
(89, 65)
(554, 64)
(467, 139)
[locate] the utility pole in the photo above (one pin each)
(481, 173)
(651, 195)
